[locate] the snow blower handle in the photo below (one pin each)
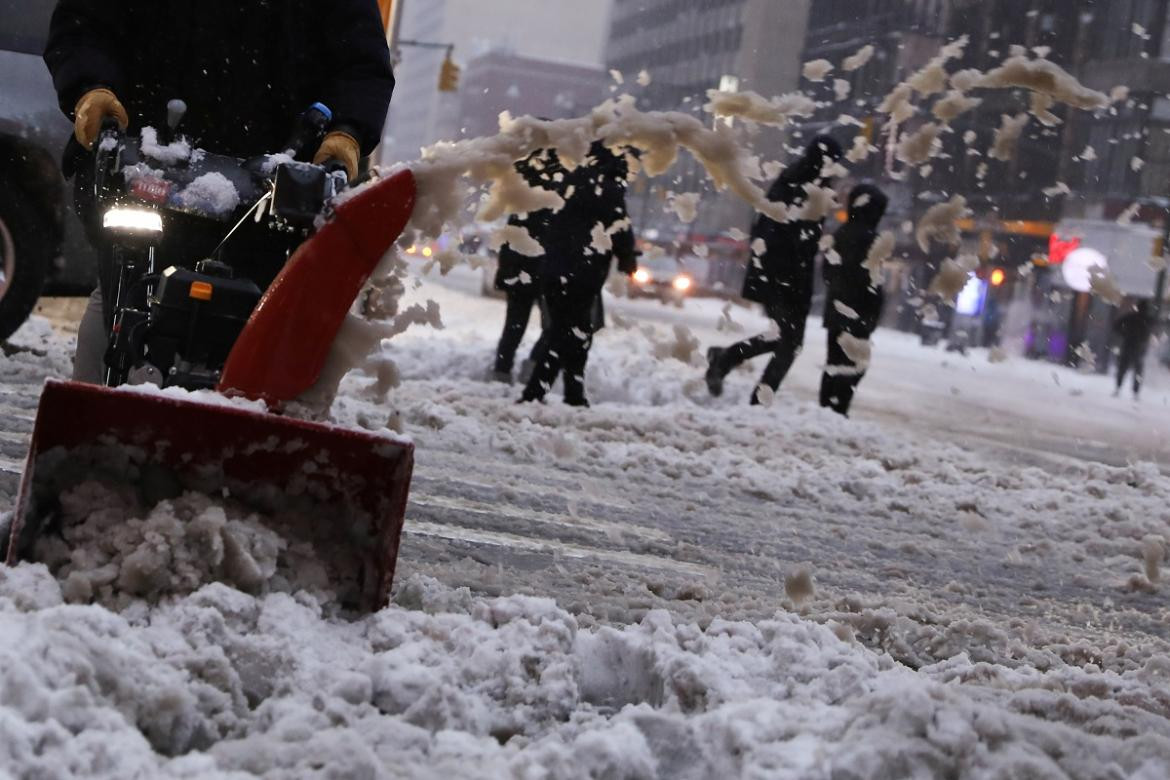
(309, 132)
(105, 156)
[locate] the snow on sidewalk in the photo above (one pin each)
(661, 586)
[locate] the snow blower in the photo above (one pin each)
(200, 325)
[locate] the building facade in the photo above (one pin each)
(687, 47)
(502, 81)
(562, 31)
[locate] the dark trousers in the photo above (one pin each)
(783, 348)
(520, 302)
(840, 379)
(570, 335)
(1131, 360)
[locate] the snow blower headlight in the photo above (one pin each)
(133, 220)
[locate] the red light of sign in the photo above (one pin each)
(1059, 249)
(151, 189)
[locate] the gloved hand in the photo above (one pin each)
(342, 147)
(91, 109)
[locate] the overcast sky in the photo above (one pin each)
(566, 30)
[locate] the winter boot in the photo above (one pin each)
(495, 375)
(715, 372)
(577, 400)
(527, 366)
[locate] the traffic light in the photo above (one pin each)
(449, 75)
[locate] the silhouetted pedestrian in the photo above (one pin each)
(853, 299)
(580, 242)
(518, 276)
(1133, 329)
(781, 278)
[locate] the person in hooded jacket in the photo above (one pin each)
(853, 299)
(519, 276)
(246, 71)
(781, 278)
(1133, 329)
(580, 241)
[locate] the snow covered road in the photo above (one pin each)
(963, 580)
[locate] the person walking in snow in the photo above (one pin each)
(246, 70)
(1133, 329)
(853, 299)
(781, 272)
(519, 277)
(581, 240)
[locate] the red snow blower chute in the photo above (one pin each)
(203, 323)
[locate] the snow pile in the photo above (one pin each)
(940, 223)
(967, 615)
(754, 107)
(173, 153)
(953, 275)
(817, 70)
(454, 686)
(1007, 137)
(518, 238)
(858, 60)
(212, 192)
(175, 548)
(920, 146)
(685, 206)
(1045, 77)
(953, 105)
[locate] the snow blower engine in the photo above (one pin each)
(174, 319)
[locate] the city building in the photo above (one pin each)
(1096, 165)
(503, 81)
(562, 31)
(687, 47)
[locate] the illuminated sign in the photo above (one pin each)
(1059, 249)
(1077, 269)
(970, 300)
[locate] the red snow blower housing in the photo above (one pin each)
(221, 321)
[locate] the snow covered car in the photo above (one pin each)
(40, 238)
(662, 277)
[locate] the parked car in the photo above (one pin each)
(42, 244)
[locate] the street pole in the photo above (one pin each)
(394, 30)
(1160, 281)
(392, 22)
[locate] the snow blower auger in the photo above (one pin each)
(341, 491)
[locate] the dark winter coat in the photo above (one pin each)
(849, 282)
(1134, 329)
(594, 193)
(246, 68)
(516, 271)
(784, 274)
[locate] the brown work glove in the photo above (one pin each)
(94, 106)
(342, 147)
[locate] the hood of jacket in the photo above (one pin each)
(867, 205)
(821, 150)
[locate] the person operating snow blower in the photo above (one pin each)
(196, 128)
(246, 73)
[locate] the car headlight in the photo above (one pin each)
(133, 220)
(682, 283)
(642, 276)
